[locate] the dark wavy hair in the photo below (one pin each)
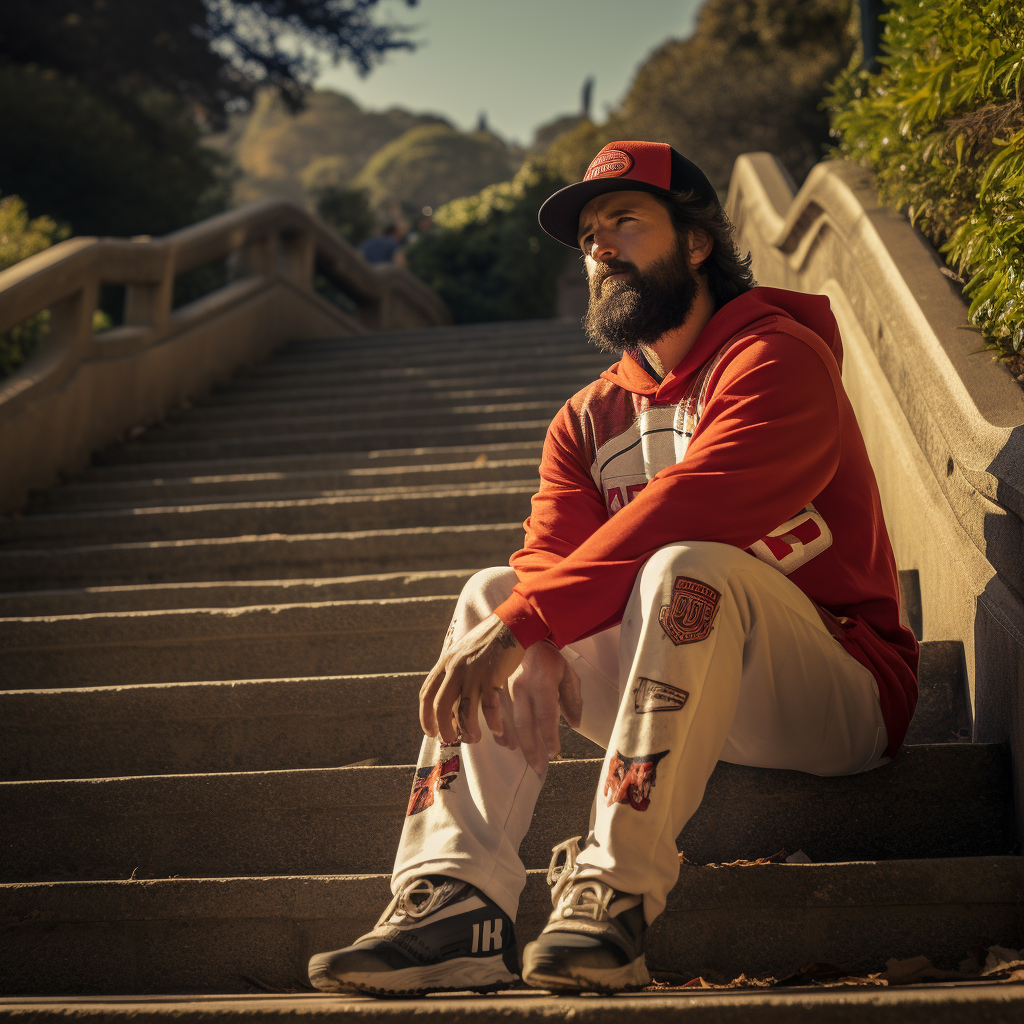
(728, 273)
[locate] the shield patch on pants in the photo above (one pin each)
(688, 618)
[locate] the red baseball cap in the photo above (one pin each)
(623, 167)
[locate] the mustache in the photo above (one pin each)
(613, 267)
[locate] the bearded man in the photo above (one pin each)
(706, 576)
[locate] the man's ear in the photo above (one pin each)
(698, 246)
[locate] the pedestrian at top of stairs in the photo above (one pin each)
(706, 576)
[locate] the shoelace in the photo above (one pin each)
(402, 904)
(571, 897)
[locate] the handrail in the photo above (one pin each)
(83, 389)
(273, 239)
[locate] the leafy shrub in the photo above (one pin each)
(19, 239)
(942, 127)
(487, 256)
(347, 210)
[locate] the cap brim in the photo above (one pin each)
(559, 216)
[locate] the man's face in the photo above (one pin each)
(641, 283)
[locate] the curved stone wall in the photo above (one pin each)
(944, 424)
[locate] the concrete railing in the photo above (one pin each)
(944, 424)
(83, 389)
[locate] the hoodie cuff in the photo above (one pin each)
(523, 619)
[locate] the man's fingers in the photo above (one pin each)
(490, 703)
(446, 706)
(570, 699)
(528, 732)
(428, 691)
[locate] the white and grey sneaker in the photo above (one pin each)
(594, 938)
(438, 934)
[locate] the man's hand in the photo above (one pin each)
(543, 685)
(471, 674)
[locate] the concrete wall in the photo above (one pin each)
(82, 391)
(943, 423)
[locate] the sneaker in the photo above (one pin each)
(594, 938)
(438, 934)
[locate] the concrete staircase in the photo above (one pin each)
(210, 650)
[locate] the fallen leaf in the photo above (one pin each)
(480, 460)
(799, 858)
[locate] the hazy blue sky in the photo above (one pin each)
(522, 62)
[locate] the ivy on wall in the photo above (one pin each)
(942, 127)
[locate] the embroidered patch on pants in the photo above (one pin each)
(650, 695)
(630, 779)
(430, 780)
(687, 619)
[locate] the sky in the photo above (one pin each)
(521, 62)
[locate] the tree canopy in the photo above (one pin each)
(207, 52)
(103, 102)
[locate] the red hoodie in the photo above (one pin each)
(751, 441)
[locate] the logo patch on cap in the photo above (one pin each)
(609, 163)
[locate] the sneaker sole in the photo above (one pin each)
(589, 979)
(459, 975)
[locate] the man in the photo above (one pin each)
(706, 577)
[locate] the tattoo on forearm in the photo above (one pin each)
(506, 638)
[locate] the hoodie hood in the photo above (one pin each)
(736, 319)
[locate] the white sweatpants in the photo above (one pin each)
(718, 657)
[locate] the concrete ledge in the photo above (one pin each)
(932, 801)
(944, 425)
(229, 935)
(913, 1004)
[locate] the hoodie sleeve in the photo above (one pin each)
(767, 444)
(568, 508)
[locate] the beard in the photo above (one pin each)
(636, 310)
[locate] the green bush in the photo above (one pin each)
(347, 210)
(487, 256)
(19, 239)
(942, 127)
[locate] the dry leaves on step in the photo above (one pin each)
(996, 963)
(776, 858)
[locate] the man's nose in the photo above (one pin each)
(603, 246)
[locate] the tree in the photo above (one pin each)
(751, 77)
(487, 256)
(103, 102)
(347, 211)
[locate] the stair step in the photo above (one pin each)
(359, 401)
(323, 462)
(906, 1004)
(184, 645)
(313, 443)
(457, 364)
(256, 486)
(238, 725)
(229, 935)
(229, 594)
(261, 423)
(247, 725)
(933, 801)
(260, 557)
(235, 395)
(380, 507)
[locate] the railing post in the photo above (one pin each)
(256, 258)
(70, 324)
(297, 258)
(149, 305)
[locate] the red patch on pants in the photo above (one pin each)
(630, 779)
(688, 617)
(429, 780)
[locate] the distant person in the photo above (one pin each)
(386, 247)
